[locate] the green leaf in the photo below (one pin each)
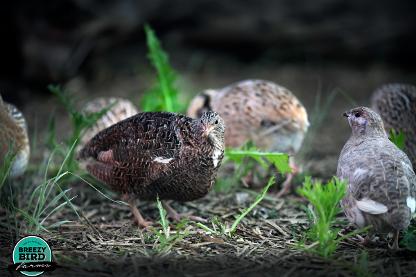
(279, 160)
(409, 239)
(164, 94)
(398, 138)
(163, 218)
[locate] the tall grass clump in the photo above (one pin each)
(164, 95)
(324, 200)
(79, 122)
(6, 165)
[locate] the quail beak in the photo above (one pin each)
(207, 129)
(346, 114)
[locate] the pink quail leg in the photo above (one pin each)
(136, 214)
(288, 182)
(177, 217)
(395, 245)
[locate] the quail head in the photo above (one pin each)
(158, 154)
(118, 110)
(13, 138)
(381, 182)
(396, 104)
(259, 111)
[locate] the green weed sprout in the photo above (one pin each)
(398, 138)
(166, 238)
(325, 201)
(409, 239)
(164, 94)
(361, 267)
(220, 228)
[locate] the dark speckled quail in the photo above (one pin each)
(381, 182)
(158, 154)
(396, 104)
(13, 133)
(267, 114)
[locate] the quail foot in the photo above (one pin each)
(259, 111)
(381, 181)
(157, 154)
(13, 138)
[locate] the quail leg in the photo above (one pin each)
(288, 182)
(136, 214)
(177, 216)
(395, 245)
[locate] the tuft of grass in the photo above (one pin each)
(409, 239)
(163, 96)
(398, 138)
(325, 201)
(80, 122)
(6, 165)
(220, 228)
(47, 199)
(166, 238)
(361, 267)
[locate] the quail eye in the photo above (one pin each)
(216, 121)
(357, 115)
(201, 121)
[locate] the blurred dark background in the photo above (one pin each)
(97, 47)
(53, 41)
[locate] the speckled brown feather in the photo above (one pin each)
(376, 170)
(153, 154)
(396, 104)
(257, 110)
(14, 134)
(119, 109)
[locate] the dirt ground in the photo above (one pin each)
(104, 242)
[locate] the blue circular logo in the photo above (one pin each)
(33, 254)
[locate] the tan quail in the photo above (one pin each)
(159, 154)
(118, 110)
(381, 181)
(260, 111)
(396, 104)
(14, 138)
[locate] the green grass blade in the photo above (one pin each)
(259, 198)
(163, 218)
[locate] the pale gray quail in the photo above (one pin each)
(381, 182)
